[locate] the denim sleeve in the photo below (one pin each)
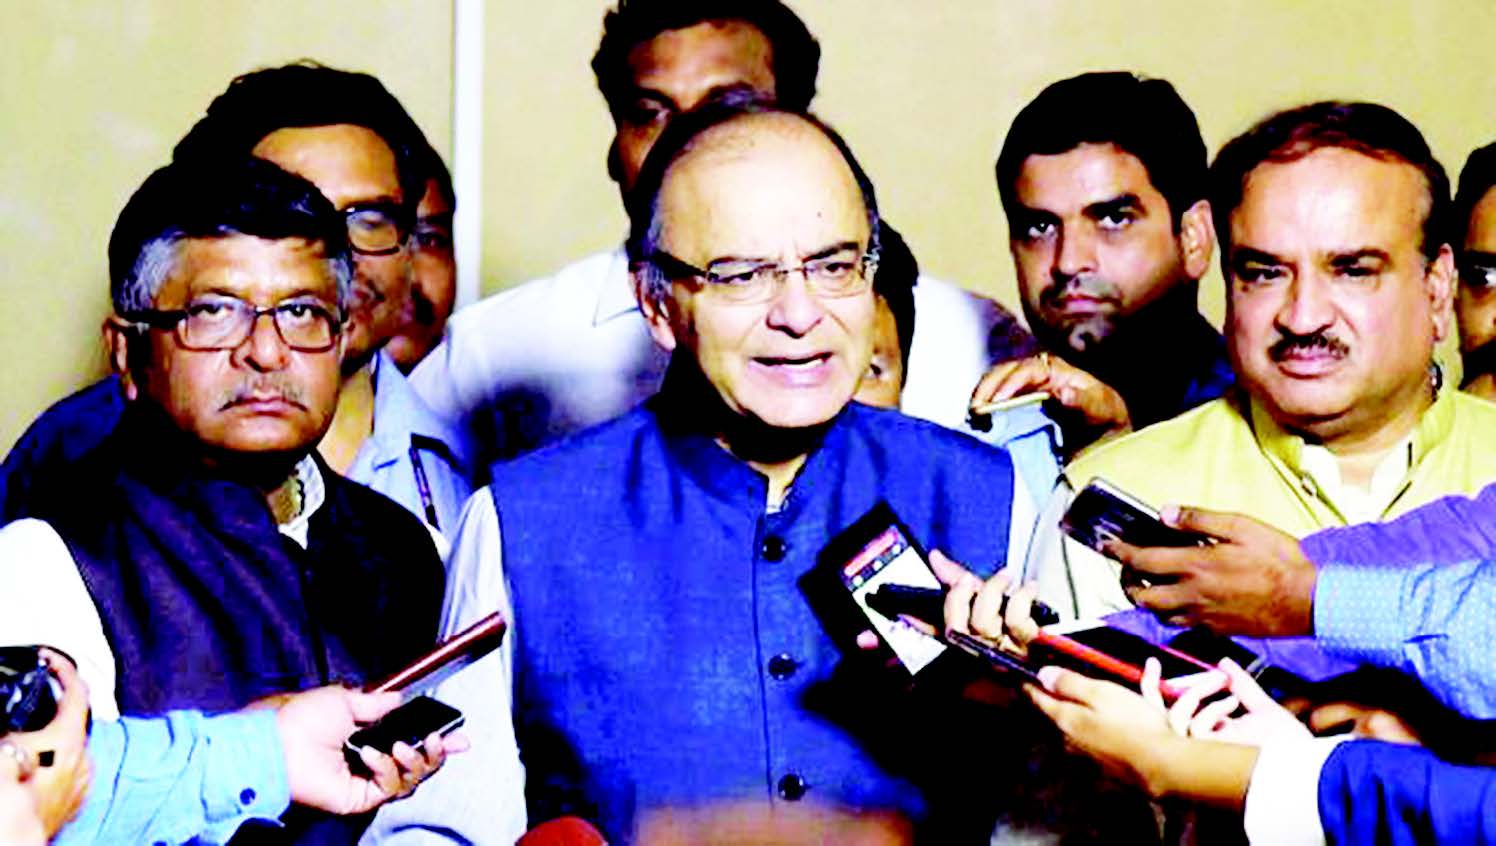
(1432, 621)
(180, 778)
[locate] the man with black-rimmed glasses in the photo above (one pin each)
(351, 138)
(204, 556)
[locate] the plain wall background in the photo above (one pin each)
(93, 96)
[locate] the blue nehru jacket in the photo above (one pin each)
(664, 653)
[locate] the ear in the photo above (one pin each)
(1439, 281)
(118, 336)
(656, 312)
(1197, 239)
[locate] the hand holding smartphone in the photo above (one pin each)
(1103, 512)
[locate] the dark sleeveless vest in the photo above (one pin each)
(664, 653)
(208, 607)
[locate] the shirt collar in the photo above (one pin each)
(400, 413)
(1433, 427)
(615, 296)
(313, 494)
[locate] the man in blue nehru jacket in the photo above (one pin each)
(666, 663)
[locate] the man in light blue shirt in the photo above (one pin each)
(188, 777)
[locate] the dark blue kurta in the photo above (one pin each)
(664, 652)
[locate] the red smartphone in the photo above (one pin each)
(1113, 654)
(452, 655)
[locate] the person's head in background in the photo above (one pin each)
(661, 58)
(433, 284)
(1333, 222)
(1475, 231)
(350, 137)
(229, 278)
(1102, 179)
(893, 327)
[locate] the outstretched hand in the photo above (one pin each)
(313, 726)
(1253, 580)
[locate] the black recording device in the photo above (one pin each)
(28, 691)
(928, 604)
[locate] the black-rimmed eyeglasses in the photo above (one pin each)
(841, 273)
(376, 229)
(223, 323)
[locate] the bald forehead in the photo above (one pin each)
(774, 139)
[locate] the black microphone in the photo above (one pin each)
(928, 604)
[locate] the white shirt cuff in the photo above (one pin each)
(1282, 805)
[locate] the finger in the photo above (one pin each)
(433, 751)
(1189, 700)
(1334, 715)
(72, 710)
(986, 608)
(1153, 560)
(383, 771)
(369, 707)
(456, 743)
(1153, 674)
(1212, 716)
(1019, 618)
(1218, 524)
(1246, 688)
(1171, 600)
(410, 761)
(963, 588)
(1073, 686)
(867, 640)
(987, 387)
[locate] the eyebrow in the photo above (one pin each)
(1122, 202)
(1355, 257)
(1242, 255)
(712, 94)
(831, 250)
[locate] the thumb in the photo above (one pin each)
(368, 707)
(946, 570)
(1218, 524)
(1246, 688)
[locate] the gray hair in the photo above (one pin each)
(158, 260)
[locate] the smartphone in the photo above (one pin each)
(1102, 651)
(874, 551)
(411, 723)
(454, 653)
(1102, 512)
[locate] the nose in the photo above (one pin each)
(1307, 306)
(795, 310)
(1074, 254)
(263, 350)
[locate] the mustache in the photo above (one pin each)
(1321, 339)
(261, 388)
(1086, 285)
(422, 309)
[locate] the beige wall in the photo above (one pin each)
(95, 94)
(92, 98)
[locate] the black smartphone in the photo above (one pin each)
(412, 723)
(1102, 511)
(875, 550)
